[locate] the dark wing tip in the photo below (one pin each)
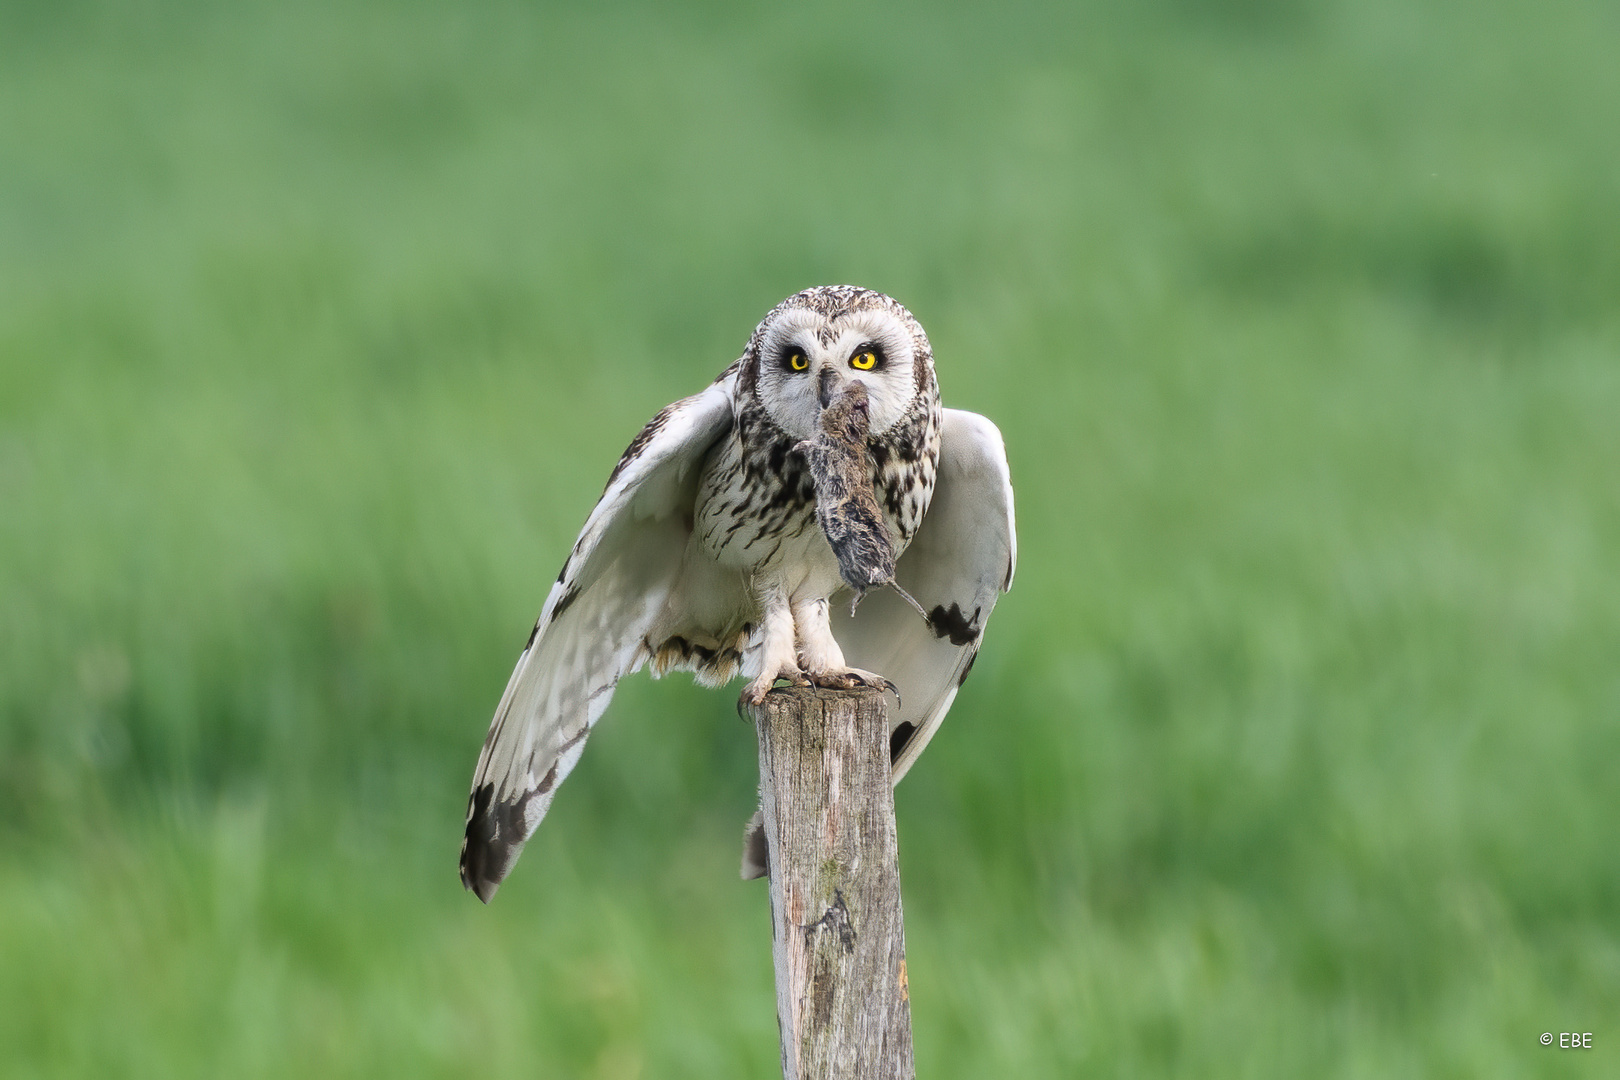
(484, 864)
(485, 856)
(474, 882)
(481, 887)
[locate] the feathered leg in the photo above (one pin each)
(773, 657)
(820, 656)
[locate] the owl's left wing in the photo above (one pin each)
(625, 570)
(957, 566)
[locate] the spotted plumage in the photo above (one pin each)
(706, 554)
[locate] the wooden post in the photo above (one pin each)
(842, 1004)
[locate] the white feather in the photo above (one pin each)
(625, 570)
(963, 554)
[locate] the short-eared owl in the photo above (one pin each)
(706, 553)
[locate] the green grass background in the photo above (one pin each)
(1293, 752)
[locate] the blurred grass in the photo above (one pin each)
(320, 326)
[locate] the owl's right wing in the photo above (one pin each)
(619, 578)
(957, 566)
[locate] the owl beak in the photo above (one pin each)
(828, 383)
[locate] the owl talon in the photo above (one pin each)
(753, 695)
(853, 679)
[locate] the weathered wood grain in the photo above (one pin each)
(843, 1005)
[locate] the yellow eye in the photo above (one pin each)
(797, 362)
(864, 361)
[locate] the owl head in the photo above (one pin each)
(816, 341)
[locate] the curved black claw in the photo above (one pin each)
(851, 679)
(753, 694)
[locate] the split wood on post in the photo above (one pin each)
(842, 1003)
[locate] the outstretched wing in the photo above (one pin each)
(957, 566)
(592, 631)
